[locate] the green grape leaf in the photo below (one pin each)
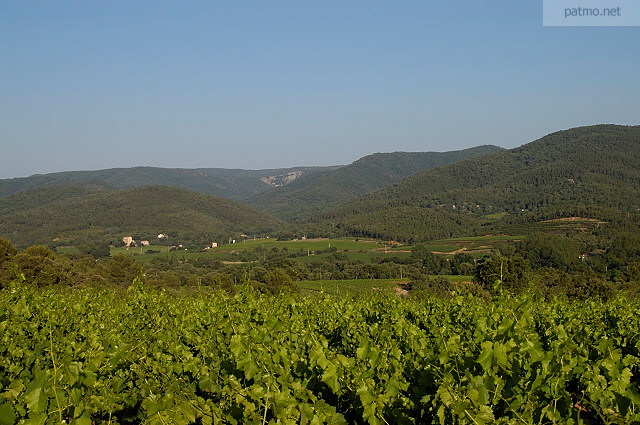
(7, 415)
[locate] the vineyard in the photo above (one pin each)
(145, 356)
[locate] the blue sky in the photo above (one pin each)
(277, 83)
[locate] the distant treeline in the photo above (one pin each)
(578, 265)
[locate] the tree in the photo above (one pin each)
(96, 250)
(498, 271)
(426, 284)
(633, 272)
(462, 264)
(430, 262)
(122, 269)
(7, 251)
(557, 251)
(587, 284)
(40, 266)
(277, 281)
(219, 280)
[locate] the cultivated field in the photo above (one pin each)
(143, 356)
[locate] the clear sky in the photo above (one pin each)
(275, 83)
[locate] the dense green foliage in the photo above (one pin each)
(228, 183)
(407, 224)
(144, 356)
(547, 264)
(83, 216)
(317, 192)
(589, 171)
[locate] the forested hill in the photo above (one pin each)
(75, 215)
(578, 171)
(228, 183)
(308, 195)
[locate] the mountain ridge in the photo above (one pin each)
(74, 215)
(305, 196)
(584, 169)
(236, 184)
